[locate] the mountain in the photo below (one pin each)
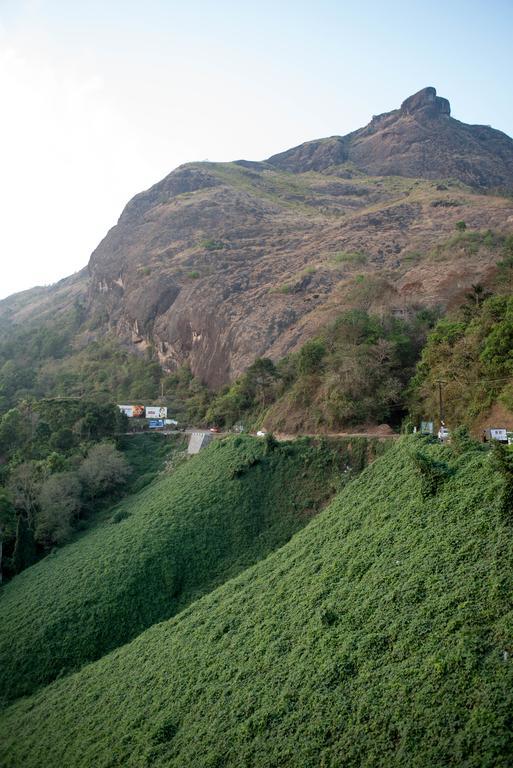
(379, 636)
(421, 140)
(219, 263)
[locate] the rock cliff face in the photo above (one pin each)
(420, 139)
(219, 263)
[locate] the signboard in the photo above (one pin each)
(156, 423)
(499, 434)
(426, 427)
(132, 411)
(156, 412)
(171, 422)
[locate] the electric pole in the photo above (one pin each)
(441, 402)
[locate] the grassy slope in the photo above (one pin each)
(148, 454)
(375, 637)
(175, 540)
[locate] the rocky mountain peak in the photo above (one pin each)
(219, 263)
(420, 139)
(427, 103)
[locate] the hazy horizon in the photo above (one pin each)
(102, 102)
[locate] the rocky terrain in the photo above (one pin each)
(221, 262)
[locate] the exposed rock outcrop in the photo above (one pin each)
(219, 263)
(420, 139)
(427, 104)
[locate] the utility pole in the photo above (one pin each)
(441, 402)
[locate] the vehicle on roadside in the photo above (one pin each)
(443, 434)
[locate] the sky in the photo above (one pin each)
(100, 100)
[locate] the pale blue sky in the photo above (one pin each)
(102, 99)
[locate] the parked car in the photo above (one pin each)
(215, 429)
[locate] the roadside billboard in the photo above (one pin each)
(156, 412)
(132, 411)
(156, 423)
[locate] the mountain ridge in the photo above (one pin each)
(422, 119)
(219, 263)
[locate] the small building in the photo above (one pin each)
(498, 434)
(198, 441)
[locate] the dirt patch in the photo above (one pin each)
(498, 417)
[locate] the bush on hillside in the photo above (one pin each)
(432, 473)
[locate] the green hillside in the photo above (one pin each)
(380, 635)
(161, 548)
(471, 352)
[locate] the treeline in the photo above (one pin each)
(355, 371)
(471, 353)
(58, 460)
(52, 360)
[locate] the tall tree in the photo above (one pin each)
(7, 522)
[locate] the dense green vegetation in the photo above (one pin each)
(471, 352)
(63, 462)
(57, 468)
(380, 635)
(354, 372)
(52, 361)
(148, 455)
(160, 549)
(57, 394)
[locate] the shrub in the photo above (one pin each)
(461, 441)
(349, 257)
(502, 461)
(285, 289)
(432, 473)
(213, 245)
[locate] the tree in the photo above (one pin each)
(474, 300)
(505, 266)
(62, 440)
(259, 379)
(25, 549)
(59, 507)
(14, 431)
(103, 470)
(461, 226)
(7, 522)
(24, 484)
(310, 357)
